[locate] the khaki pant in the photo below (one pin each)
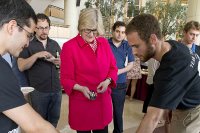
(185, 121)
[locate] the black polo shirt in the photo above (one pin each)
(43, 75)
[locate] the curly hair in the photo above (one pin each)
(117, 24)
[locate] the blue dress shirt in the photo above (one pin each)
(121, 53)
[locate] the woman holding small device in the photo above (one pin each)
(88, 72)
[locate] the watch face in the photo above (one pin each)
(93, 95)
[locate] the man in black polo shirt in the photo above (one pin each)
(39, 61)
(176, 81)
(17, 24)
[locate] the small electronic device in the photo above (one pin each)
(93, 95)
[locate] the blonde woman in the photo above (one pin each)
(88, 72)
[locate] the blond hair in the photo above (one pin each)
(91, 18)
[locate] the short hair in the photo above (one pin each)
(144, 25)
(42, 16)
(18, 10)
(118, 24)
(191, 25)
(91, 18)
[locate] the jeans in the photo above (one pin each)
(105, 130)
(118, 99)
(47, 105)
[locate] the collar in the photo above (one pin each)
(82, 42)
(193, 48)
(35, 40)
(111, 42)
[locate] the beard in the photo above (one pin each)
(150, 52)
(43, 37)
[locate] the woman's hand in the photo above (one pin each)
(102, 87)
(86, 92)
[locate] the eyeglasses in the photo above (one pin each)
(29, 35)
(88, 31)
(43, 28)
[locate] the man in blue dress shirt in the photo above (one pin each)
(124, 58)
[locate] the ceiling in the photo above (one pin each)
(40, 5)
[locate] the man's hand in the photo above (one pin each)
(27, 63)
(44, 54)
(56, 61)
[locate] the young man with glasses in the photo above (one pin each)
(14, 110)
(39, 61)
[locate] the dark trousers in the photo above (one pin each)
(105, 130)
(47, 105)
(148, 98)
(118, 99)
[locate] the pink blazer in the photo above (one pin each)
(80, 65)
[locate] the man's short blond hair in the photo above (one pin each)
(91, 18)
